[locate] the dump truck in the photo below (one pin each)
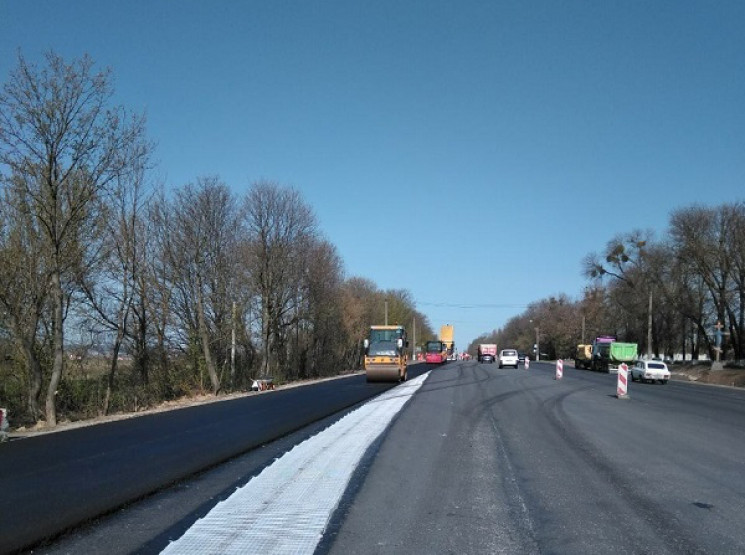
(447, 335)
(487, 352)
(386, 354)
(620, 353)
(608, 354)
(583, 356)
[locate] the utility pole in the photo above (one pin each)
(537, 344)
(232, 350)
(649, 328)
(583, 330)
(413, 343)
(386, 312)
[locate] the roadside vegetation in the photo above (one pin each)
(666, 294)
(117, 294)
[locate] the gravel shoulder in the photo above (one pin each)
(732, 377)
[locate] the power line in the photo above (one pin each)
(472, 306)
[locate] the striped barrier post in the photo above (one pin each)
(559, 369)
(622, 388)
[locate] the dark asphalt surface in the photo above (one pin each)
(484, 460)
(53, 482)
(512, 461)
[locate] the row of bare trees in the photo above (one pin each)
(666, 295)
(170, 292)
(692, 279)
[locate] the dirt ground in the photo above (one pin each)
(704, 374)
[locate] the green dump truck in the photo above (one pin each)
(605, 354)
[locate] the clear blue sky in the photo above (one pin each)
(512, 138)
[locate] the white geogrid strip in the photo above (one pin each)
(286, 508)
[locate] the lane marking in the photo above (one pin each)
(286, 508)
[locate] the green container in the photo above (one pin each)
(623, 352)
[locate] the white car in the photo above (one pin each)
(508, 357)
(650, 371)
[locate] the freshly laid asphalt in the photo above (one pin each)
(52, 482)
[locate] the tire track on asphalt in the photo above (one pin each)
(666, 526)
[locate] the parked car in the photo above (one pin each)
(508, 357)
(650, 371)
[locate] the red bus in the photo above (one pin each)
(435, 352)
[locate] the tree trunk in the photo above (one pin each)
(737, 339)
(35, 374)
(26, 345)
(142, 358)
(205, 338)
(265, 333)
(112, 370)
(58, 348)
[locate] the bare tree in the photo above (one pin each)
(200, 233)
(281, 228)
(111, 287)
(736, 249)
(709, 241)
(23, 288)
(629, 261)
(61, 143)
(322, 352)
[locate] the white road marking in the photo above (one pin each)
(286, 508)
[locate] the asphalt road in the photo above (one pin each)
(484, 460)
(53, 482)
(512, 461)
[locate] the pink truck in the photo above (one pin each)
(487, 352)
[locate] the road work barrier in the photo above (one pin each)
(623, 383)
(559, 369)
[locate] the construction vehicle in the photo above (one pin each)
(386, 354)
(583, 356)
(435, 352)
(606, 354)
(487, 352)
(447, 334)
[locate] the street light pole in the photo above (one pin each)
(537, 343)
(413, 346)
